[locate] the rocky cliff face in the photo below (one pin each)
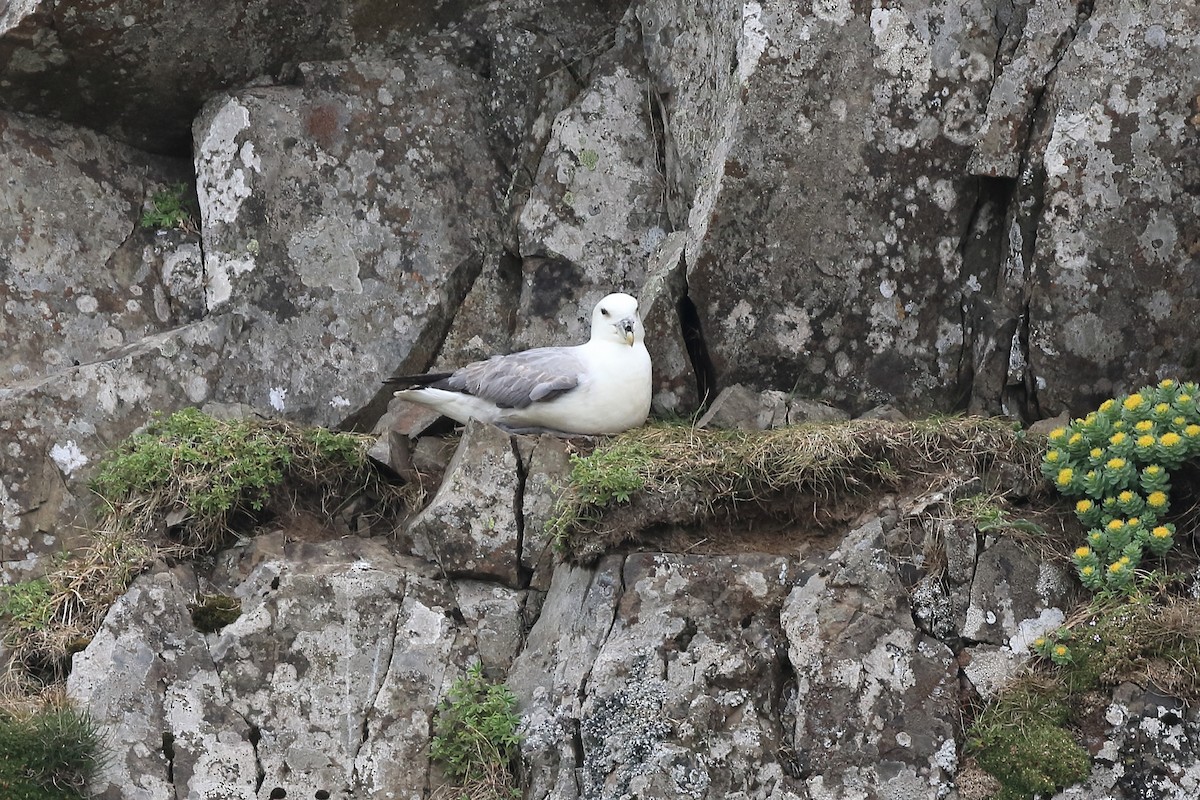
(990, 206)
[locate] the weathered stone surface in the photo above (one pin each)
(56, 428)
(470, 528)
(1095, 293)
(876, 699)
(78, 276)
(327, 682)
(1112, 160)
(685, 696)
(820, 155)
(149, 680)
(545, 464)
(1151, 750)
(343, 226)
(1014, 597)
(680, 697)
(551, 672)
(594, 215)
(740, 407)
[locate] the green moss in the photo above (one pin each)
(589, 159)
(48, 756)
(1021, 741)
(211, 612)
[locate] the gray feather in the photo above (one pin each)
(520, 379)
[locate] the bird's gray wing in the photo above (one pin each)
(520, 379)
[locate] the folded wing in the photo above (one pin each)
(512, 381)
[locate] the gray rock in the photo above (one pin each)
(81, 278)
(550, 674)
(470, 528)
(1015, 597)
(990, 668)
(327, 682)
(343, 227)
(545, 465)
(876, 699)
(148, 679)
(594, 215)
(140, 71)
(1099, 245)
(814, 191)
(738, 407)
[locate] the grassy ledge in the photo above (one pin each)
(670, 474)
(180, 489)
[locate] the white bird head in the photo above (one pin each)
(615, 319)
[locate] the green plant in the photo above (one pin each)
(475, 737)
(211, 612)
(1118, 460)
(203, 473)
(47, 755)
(170, 208)
(1023, 737)
(26, 605)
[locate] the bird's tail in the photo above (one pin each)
(416, 381)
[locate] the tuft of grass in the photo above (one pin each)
(26, 605)
(475, 739)
(700, 473)
(198, 475)
(171, 207)
(49, 754)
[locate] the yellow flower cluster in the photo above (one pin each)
(1117, 461)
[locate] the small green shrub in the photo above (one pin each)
(171, 208)
(1023, 737)
(475, 737)
(50, 755)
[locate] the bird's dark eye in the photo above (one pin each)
(604, 311)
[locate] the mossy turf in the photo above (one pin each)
(1027, 737)
(180, 489)
(681, 475)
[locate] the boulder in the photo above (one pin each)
(342, 228)
(594, 215)
(1100, 242)
(471, 527)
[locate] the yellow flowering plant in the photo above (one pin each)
(1053, 646)
(1118, 461)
